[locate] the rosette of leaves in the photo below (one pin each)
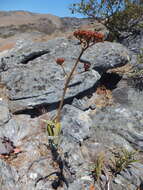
(123, 159)
(54, 131)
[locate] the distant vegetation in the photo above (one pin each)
(118, 15)
(11, 30)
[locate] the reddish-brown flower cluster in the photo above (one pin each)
(60, 60)
(86, 66)
(88, 36)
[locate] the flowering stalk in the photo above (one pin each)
(64, 70)
(60, 62)
(66, 85)
(87, 39)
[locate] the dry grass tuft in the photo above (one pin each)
(122, 70)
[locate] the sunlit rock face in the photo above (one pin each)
(102, 109)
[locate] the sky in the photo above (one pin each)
(55, 7)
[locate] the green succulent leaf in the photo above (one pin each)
(53, 128)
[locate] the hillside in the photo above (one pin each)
(37, 27)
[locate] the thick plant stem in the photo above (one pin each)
(66, 85)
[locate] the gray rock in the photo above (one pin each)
(3, 65)
(121, 124)
(28, 135)
(32, 86)
(107, 55)
(134, 174)
(33, 77)
(79, 185)
(23, 52)
(118, 128)
(4, 113)
(75, 123)
(80, 103)
(131, 177)
(134, 41)
(120, 94)
(8, 177)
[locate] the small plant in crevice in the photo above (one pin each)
(104, 169)
(53, 130)
(100, 171)
(98, 167)
(122, 160)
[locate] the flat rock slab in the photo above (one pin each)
(39, 85)
(33, 78)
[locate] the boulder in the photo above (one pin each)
(107, 55)
(33, 78)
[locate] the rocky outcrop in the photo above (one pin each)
(84, 136)
(33, 77)
(107, 55)
(101, 113)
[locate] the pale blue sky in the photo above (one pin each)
(55, 7)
